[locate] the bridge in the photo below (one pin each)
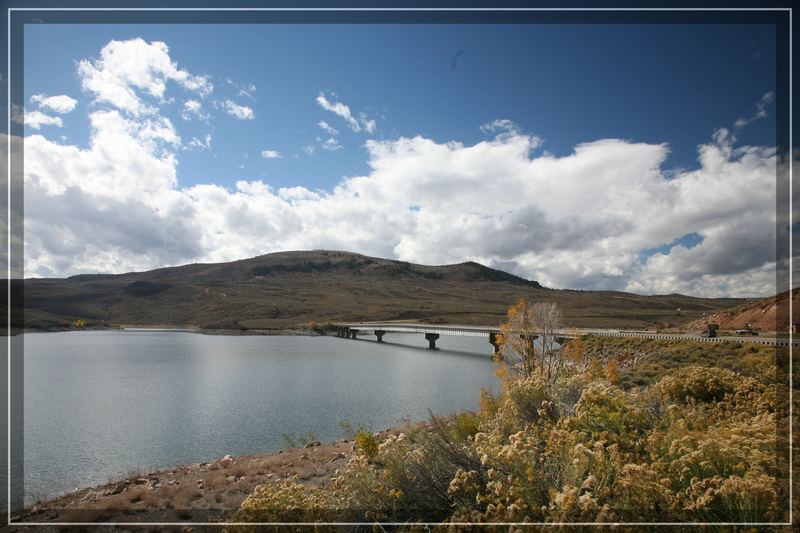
(432, 332)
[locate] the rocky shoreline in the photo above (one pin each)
(199, 492)
(208, 491)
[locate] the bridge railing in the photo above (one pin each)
(481, 331)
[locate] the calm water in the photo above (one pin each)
(99, 405)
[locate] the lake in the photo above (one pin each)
(100, 405)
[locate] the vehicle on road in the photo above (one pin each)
(711, 331)
(747, 330)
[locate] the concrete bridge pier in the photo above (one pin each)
(380, 333)
(353, 333)
(431, 338)
(494, 343)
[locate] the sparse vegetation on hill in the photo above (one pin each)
(766, 314)
(284, 290)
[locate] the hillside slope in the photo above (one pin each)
(761, 314)
(286, 289)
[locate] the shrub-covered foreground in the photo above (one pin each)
(645, 361)
(698, 445)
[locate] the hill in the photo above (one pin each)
(761, 314)
(286, 289)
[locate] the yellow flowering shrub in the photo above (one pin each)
(698, 445)
(366, 443)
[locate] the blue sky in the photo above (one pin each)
(566, 83)
(578, 155)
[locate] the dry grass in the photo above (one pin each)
(137, 494)
(644, 361)
(118, 502)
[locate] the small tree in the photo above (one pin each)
(518, 338)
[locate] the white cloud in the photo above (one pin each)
(271, 154)
(58, 104)
(506, 128)
(241, 112)
(247, 90)
(761, 111)
(129, 70)
(205, 144)
(193, 108)
(500, 124)
(33, 119)
(17, 114)
(581, 220)
(577, 221)
(331, 144)
(309, 150)
(37, 119)
(327, 128)
(343, 110)
(368, 124)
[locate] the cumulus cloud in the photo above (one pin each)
(242, 112)
(59, 104)
(271, 154)
(505, 127)
(128, 70)
(343, 110)
(581, 220)
(35, 119)
(578, 221)
(113, 206)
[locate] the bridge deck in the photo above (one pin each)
(369, 328)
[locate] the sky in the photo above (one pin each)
(615, 157)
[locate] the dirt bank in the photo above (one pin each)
(200, 492)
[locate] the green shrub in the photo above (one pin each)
(366, 443)
(699, 383)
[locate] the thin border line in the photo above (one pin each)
(403, 9)
(790, 150)
(555, 524)
(390, 9)
(8, 256)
